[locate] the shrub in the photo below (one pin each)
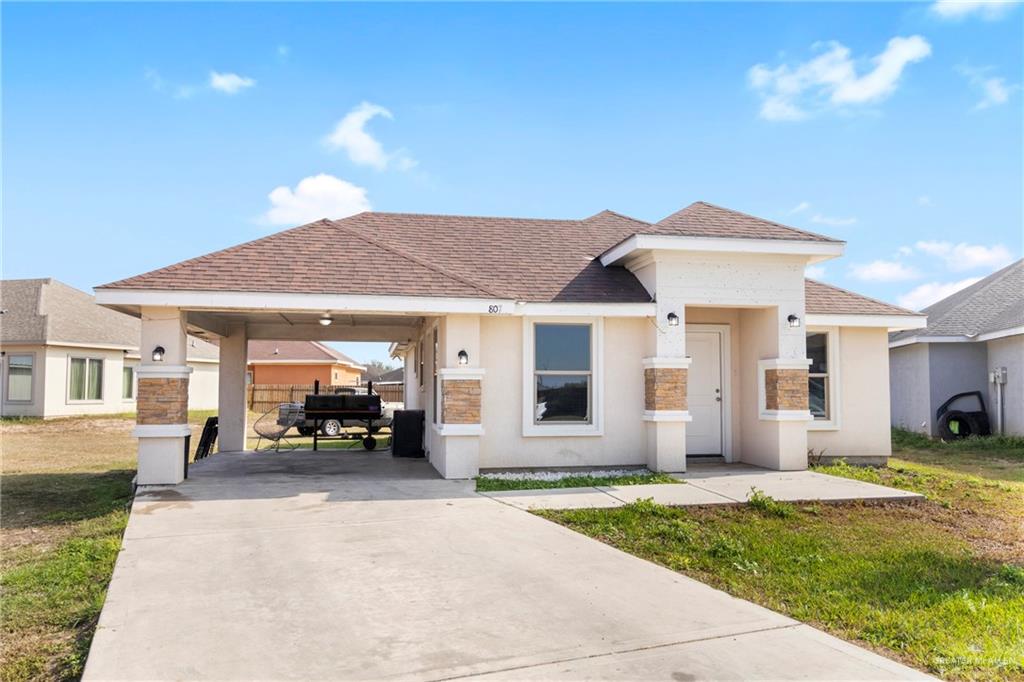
(769, 506)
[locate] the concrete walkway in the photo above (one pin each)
(351, 566)
(715, 484)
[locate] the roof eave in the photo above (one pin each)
(814, 251)
(892, 323)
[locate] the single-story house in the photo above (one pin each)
(64, 355)
(392, 376)
(974, 341)
(548, 343)
(301, 362)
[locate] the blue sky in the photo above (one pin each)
(896, 127)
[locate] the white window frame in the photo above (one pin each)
(832, 398)
(103, 382)
(7, 378)
(596, 425)
(135, 382)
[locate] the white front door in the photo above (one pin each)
(704, 393)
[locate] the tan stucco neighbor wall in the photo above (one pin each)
(863, 398)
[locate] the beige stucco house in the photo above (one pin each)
(548, 343)
(63, 355)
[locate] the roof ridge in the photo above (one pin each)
(754, 217)
(198, 259)
(870, 298)
(459, 215)
(969, 294)
(982, 284)
(618, 215)
(415, 259)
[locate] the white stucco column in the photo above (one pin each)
(665, 373)
(459, 399)
(162, 399)
(232, 411)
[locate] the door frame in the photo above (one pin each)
(724, 332)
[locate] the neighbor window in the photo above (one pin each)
(818, 377)
(128, 382)
(85, 379)
(562, 373)
(19, 377)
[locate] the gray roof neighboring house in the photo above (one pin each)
(396, 375)
(45, 311)
(994, 304)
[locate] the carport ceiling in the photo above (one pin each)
(305, 325)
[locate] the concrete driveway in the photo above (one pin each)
(341, 566)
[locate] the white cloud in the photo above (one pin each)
(350, 135)
(924, 295)
(924, 200)
(814, 271)
(994, 90)
(283, 51)
(904, 251)
(956, 10)
(315, 197)
(832, 221)
(830, 80)
(230, 83)
(963, 256)
(883, 271)
(799, 208)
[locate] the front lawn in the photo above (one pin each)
(496, 482)
(938, 584)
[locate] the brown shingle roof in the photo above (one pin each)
(296, 350)
(825, 299)
(701, 219)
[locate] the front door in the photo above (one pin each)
(704, 393)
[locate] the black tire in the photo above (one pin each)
(305, 430)
(954, 425)
(979, 424)
(369, 442)
(331, 427)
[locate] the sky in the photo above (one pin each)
(139, 135)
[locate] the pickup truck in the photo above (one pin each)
(333, 427)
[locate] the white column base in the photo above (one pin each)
(161, 453)
(458, 457)
(666, 446)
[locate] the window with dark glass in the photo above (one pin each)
(128, 383)
(85, 380)
(19, 377)
(818, 379)
(562, 373)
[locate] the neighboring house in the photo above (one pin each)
(64, 355)
(970, 335)
(394, 376)
(605, 341)
(300, 362)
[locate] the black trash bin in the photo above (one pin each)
(407, 433)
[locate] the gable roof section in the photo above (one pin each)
(311, 351)
(45, 311)
(994, 304)
(826, 299)
(701, 219)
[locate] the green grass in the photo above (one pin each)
(910, 440)
(896, 582)
(581, 481)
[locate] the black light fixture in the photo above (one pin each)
(793, 320)
(158, 354)
(673, 320)
(325, 320)
(463, 357)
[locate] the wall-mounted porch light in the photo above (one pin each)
(673, 320)
(463, 357)
(325, 320)
(158, 354)
(793, 320)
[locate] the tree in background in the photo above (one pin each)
(374, 368)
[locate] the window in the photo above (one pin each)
(19, 377)
(85, 379)
(128, 382)
(818, 389)
(562, 373)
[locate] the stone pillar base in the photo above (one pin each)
(161, 453)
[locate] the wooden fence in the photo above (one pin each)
(264, 397)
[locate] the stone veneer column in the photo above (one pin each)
(162, 401)
(783, 399)
(459, 407)
(666, 412)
